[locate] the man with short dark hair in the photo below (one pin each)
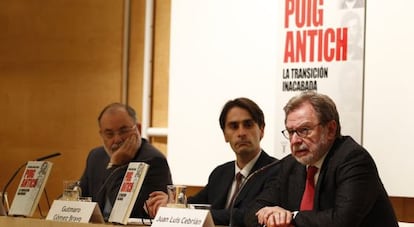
(242, 123)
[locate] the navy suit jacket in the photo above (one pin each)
(349, 191)
(99, 182)
(219, 184)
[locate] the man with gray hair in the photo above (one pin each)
(327, 180)
(106, 165)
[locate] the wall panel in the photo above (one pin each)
(160, 81)
(60, 63)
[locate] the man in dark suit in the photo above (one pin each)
(106, 165)
(242, 123)
(347, 190)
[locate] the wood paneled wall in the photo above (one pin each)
(404, 208)
(60, 64)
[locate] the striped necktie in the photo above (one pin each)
(239, 178)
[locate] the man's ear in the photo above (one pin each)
(225, 137)
(261, 133)
(332, 126)
(139, 127)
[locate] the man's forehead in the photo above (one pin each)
(115, 119)
(301, 115)
(240, 120)
(114, 111)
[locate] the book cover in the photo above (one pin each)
(128, 193)
(30, 188)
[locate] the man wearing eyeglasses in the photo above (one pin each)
(106, 165)
(328, 180)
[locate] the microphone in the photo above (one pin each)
(48, 156)
(263, 168)
(18, 170)
(102, 192)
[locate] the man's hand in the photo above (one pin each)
(274, 216)
(156, 200)
(126, 152)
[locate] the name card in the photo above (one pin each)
(75, 211)
(168, 216)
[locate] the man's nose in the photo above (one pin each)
(117, 138)
(295, 138)
(241, 131)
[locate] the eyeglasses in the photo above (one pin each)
(121, 132)
(301, 131)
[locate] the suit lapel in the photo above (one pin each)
(296, 185)
(321, 178)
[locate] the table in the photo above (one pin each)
(34, 222)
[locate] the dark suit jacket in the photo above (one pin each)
(99, 182)
(219, 184)
(348, 193)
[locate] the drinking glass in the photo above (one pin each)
(177, 196)
(71, 190)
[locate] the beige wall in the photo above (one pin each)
(60, 64)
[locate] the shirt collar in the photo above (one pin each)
(248, 167)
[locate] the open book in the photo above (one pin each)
(30, 188)
(128, 193)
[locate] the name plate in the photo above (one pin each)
(168, 216)
(75, 211)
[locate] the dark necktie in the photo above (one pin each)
(239, 178)
(308, 195)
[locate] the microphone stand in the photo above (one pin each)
(9, 182)
(102, 192)
(18, 170)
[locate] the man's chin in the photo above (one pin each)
(115, 148)
(304, 159)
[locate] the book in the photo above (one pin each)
(128, 192)
(30, 188)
